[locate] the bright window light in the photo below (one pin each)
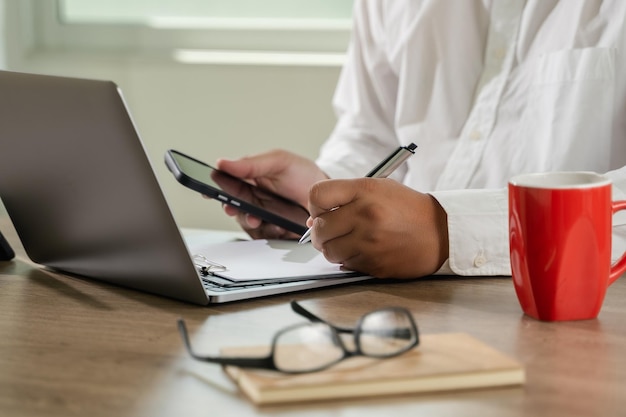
(266, 32)
(194, 11)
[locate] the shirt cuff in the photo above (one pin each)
(477, 232)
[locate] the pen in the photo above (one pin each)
(382, 170)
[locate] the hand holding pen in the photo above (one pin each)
(382, 170)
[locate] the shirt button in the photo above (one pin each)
(479, 261)
(475, 135)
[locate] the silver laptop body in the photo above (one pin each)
(83, 197)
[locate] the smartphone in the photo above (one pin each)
(236, 192)
(6, 252)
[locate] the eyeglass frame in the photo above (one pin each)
(268, 362)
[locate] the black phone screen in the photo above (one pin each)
(249, 198)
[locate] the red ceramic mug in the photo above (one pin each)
(560, 243)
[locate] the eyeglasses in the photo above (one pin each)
(314, 346)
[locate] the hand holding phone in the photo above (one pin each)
(236, 192)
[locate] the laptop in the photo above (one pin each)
(83, 196)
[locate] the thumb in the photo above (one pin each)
(263, 165)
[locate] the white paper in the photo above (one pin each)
(274, 260)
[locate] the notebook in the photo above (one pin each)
(441, 362)
(83, 197)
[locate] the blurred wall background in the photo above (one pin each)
(2, 36)
(208, 108)
(2, 60)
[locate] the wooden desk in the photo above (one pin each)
(72, 347)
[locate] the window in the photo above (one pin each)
(301, 31)
(181, 12)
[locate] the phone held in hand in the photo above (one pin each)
(236, 192)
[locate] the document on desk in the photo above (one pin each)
(266, 261)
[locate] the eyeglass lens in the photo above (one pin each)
(307, 347)
(314, 346)
(385, 333)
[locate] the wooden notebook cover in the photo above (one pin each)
(450, 361)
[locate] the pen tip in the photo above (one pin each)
(306, 237)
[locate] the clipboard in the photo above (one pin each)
(262, 261)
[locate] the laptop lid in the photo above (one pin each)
(80, 190)
(84, 199)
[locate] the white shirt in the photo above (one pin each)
(487, 90)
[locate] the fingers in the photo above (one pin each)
(378, 227)
(261, 165)
(281, 172)
(270, 231)
(230, 210)
(339, 209)
(246, 220)
(330, 194)
(257, 228)
(329, 228)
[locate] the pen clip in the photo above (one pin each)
(393, 161)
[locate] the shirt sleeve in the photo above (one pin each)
(478, 229)
(477, 232)
(364, 101)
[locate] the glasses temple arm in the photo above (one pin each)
(260, 362)
(297, 308)
(402, 333)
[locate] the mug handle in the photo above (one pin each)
(619, 267)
